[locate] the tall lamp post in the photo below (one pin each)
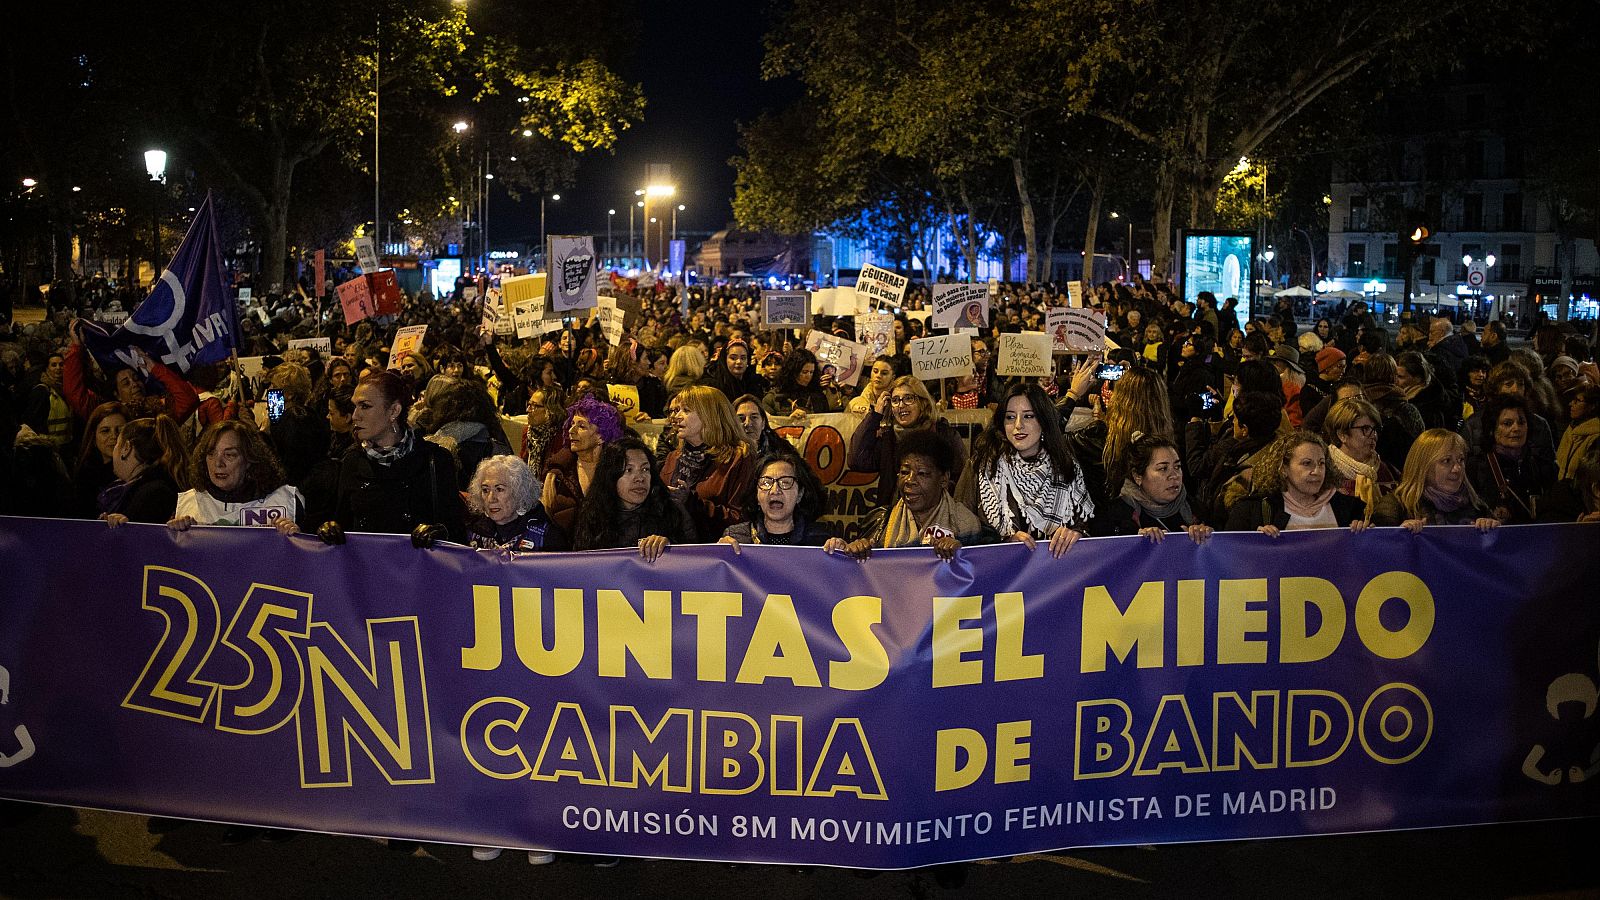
(1127, 255)
(636, 205)
(654, 190)
(610, 251)
(543, 262)
(155, 164)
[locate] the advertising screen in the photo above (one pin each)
(1219, 262)
(445, 273)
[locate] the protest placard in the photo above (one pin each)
(625, 397)
(384, 287)
(941, 356)
(245, 294)
(833, 302)
(407, 340)
(320, 344)
(355, 299)
(523, 288)
(1026, 354)
(785, 309)
(366, 255)
(572, 272)
(527, 316)
(610, 319)
(1076, 330)
(964, 305)
(1075, 293)
(881, 287)
(844, 358)
(319, 263)
(250, 366)
(875, 331)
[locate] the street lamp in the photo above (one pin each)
(610, 214)
(636, 205)
(1127, 257)
(680, 208)
(542, 251)
(155, 164)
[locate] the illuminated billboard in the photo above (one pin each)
(1219, 262)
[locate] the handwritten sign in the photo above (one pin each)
(320, 344)
(610, 319)
(625, 397)
(941, 356)
(1075, 293)
(573, 273)
(1026, 354)
(785, 309)
(366, 254)
(1076, 330)
(875, 331)
(843, 357)
(960, 305)
(355, 298)
(881, 286)
(407, 340)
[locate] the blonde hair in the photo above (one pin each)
(686, 365)
(1343, 416)
(1427, 449)
(295, 382)
(930, 412)
(719, 427)
(1138, 405)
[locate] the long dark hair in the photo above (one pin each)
(789, 376)
(992, 443)
(600, 517)
(112, 408)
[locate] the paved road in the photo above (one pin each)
(80, 853)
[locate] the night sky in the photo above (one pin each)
(699, 63)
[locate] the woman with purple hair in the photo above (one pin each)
(590, 425)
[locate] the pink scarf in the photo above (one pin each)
(1308, 510)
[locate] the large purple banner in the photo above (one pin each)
(784, 705)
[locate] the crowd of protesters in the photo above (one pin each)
(1187, 423)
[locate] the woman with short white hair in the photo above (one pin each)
(504, 512)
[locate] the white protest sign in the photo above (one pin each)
(994, 287)
(250, 366)
(875, 331)
(366, 255)
(1075, 293)
(610, 320)
(785, 309)
(941, 356)
(526, 316)
(844, 357)
(320, 344)
(966, 305)
(1026, 354)
(245, 294)
(881, 286)
(833, 302)
(1077, 330)
(406, 340)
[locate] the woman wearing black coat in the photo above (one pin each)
(392, 481)
(1293, 490)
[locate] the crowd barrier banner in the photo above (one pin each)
(787, 706)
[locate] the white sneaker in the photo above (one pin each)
(484, 854)
(540, 857)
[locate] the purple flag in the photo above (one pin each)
(188, 318)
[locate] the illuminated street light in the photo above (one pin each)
(527, 132)
(660, 190)
(1466, 259)
(459, 127)
(155, 163)
(28, 182)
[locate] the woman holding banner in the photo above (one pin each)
(570, 470)
(1153, 501)
(392, 481)
(1434, 489)
(1294, 488)
(1023, 478)
(782, 506)
(630, 507)
(906, 408)
(149, 463)
(925, 514)
(708, 470)
(237, 481)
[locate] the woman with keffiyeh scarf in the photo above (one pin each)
(1024, 481)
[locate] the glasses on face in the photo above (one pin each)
(1367, 430)
(781, 483)
(902, 400)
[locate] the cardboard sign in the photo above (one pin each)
(319, 261)
(833, 302)
(1075, 293)
(625, 397)
(522, 288)
(320, 344)
(245, 294)
(880, 286)
(785, 309)
(355, 298)
(385, 288)
(250, 366)
(573, 273)
(875, 331)
(406, 340)
(994, 287)
(527, 318)
(366, 255)
(1076, 330)
(610, 319)
(844, 357)
(941, 356)
(960, 305)
(1026, 354)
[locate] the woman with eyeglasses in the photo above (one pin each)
(1434, 489)
(1352, 428)
(905, 408)
(781, 506)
